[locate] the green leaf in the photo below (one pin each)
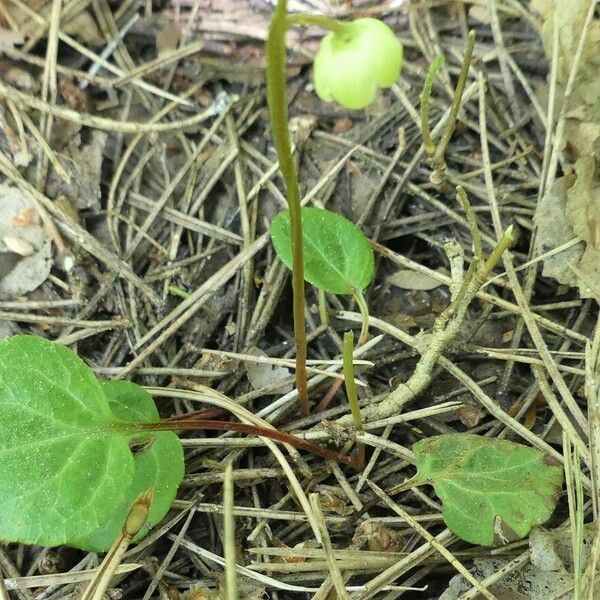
(493, 491)
(160, 465)
(337, 255)
(64, 467)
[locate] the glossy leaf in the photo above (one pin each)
(493, 491)
(337, 255)
(159, 465)
(64, 465)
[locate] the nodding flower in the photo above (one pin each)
(352, 63)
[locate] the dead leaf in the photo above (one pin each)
(25, 252)
(9, 39)
(543, 552)
(481, 14)
(73, 95)
(554, 230)
(293, 558)
(21, 79)
(582, 127)
(331, 502)
(583, 214)
(167, 39)
(407, 279)
(470, 414)
(378, 537)
(583, 202)
(199, 593)
(83, 163)
(549, 575)
(262, 375)
(83, 27)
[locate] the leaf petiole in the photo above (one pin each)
(351, 392)
(319, 20)
(273, 434)
(364, 313)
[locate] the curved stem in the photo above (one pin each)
(276, 98)
(425, 96)
(348, 347)
(440, 151)
(463, 199)
(364, 313)
(273, 434)
(503, 244)
(320, 20)
(323, 315)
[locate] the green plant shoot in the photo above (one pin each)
(354, 59)
(337, 256)
(76, 452)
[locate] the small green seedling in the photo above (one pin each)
(76, 452)
(337, 256)
(354, 59)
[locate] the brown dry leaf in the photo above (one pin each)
(481, 14)
(378, 537)
(583, 202)
(555, 228)
(21, 79)
(332, 503)
(26, 25)
(167, 39)
(543, 552)
(570, 17)
(470, 414)
(83, 163)
(582, 127)
(199, 593)
(81, 26)
(292, 558)
(583, 214)
(73, 95)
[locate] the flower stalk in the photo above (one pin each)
(278, 110)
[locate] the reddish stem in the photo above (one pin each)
(274, 434)
(204, 413)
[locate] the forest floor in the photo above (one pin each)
(139, 180)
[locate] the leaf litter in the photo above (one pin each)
(569, 211)
(414, 220)
(25, 248)
(550, 574)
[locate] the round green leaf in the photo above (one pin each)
(337, 255)
(160, 465)
(493, 491)
(64, 467)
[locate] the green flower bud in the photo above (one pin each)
(350, 65)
